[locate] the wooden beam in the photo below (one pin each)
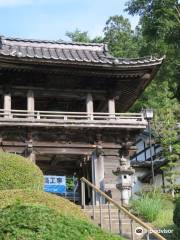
(52, 92)
(60, 145)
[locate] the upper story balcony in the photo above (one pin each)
(71, 119)
(90, 118)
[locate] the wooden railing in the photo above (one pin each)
(83, 119)
(133, 218)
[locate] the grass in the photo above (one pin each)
(72, 221)
(157, 209)
(165, 215)
(59, 204)
(35, 222)
(147, 207)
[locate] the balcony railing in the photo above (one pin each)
(71, 119)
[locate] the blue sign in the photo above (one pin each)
(55, 184)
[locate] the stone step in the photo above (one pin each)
(103, 206)
(122, 227)
(105, 216)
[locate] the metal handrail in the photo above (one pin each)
(119, 207)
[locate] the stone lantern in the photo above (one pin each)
(124, 173)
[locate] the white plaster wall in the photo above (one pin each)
(138, 185)
(140, 147)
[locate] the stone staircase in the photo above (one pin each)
(116, 222)
(115, 218)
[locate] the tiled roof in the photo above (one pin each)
(87, 53)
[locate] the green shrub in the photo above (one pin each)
(150, 190)
(61, 205)
(165, 215)
(31, 222)
(147, 207)
(176, 216)
(17, 172)
(176, 233)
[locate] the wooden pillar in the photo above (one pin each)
(7, 104)
(89, 106)
(111, 107)
(30, 103)
(98, 173)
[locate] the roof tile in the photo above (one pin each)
(91, 53)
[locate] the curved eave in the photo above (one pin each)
(123, 65)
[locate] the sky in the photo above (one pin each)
(51, 19)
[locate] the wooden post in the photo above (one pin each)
(7, 104)
(98, 173)
(30, 103)
(89, 106)
(111, 107)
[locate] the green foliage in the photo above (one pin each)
(82, 36)
(160, 29)
(17, 172)
(70, 183)
(176, 234)
(166, 117)
(158, 18)
(59, 204)
(176, 217)
(78, 36)
(39, 222)
(165, 215)
(121, 39)
(148, 206)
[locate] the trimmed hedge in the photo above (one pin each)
(59, 204)
(33, 222)
(17, 172)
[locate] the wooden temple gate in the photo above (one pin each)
(62, 106)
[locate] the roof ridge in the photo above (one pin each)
(51, 41)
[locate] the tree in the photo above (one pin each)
(122, 40)
(166, 117)
(80, 36)
(165, 127)
(160, 28)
